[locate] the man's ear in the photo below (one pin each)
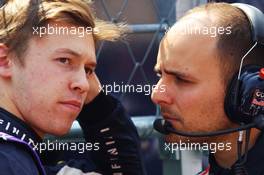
(5, 62)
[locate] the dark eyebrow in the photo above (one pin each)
(177, 73)
(92, 65)
(75, 54)
(68, 51)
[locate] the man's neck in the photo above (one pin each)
(6, 103)
(225, 158)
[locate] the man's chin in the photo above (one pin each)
(173, 138)
(60, 132)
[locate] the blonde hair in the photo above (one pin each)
(19, 17)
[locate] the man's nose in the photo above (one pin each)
(80, 82)
(160, 95)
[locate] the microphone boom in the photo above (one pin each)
(165, 127)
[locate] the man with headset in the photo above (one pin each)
(47, 79)
(210, 63)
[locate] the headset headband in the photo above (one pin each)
(256, 19)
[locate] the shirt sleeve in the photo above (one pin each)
(105, 121)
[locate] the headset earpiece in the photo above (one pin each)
(250, 96)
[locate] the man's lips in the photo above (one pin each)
(72, 104)
(169, 117)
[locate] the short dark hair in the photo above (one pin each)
(232, 47)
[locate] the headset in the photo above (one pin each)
(244, 100)
(245, 96)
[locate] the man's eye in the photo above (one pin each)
(64, 60)
(88, 70)
(180, 80)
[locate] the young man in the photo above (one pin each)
(47, 62)
(196, 67)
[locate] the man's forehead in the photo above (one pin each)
(180, 37)
(186, 52)
(193, 25)
(74, 51)
(161, 54)
(59, 44)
